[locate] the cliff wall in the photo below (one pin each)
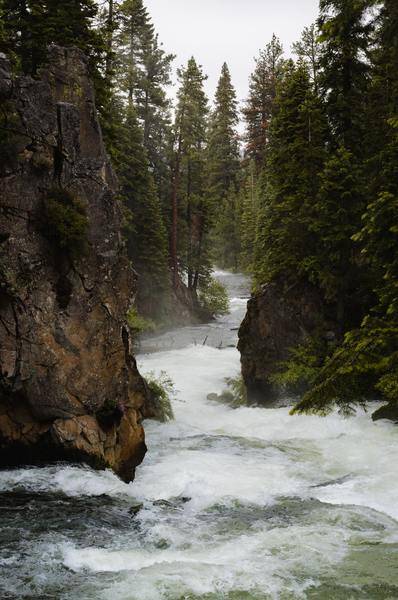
(69, 385)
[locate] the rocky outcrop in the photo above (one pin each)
(276, 321)
(69, 385)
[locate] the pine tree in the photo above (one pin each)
(191, 218)
(366, 363)
(223, 171)
(308, 49)
(143, 74)
(285, 242)
(259, 106)
(32, 25)
(144, 67)
(226, 231)
(146, 234)
(345, 37)
(335, 267)
(249, 210)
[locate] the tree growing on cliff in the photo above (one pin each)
(286, 244)
(32, 25)
(366, 364)
(346, 40)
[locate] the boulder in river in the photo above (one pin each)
(276, 321)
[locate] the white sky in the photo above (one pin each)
(214, 31)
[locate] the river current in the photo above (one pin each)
(245, 504)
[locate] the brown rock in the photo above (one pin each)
(69, 386)
(276, 321)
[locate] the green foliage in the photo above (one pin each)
(249, 205)
(146, 234)
(290, 182)
(363, 367)
(234, 396)
(30, 26)
(345, 36)
(162, 391)
(143, 73)
(309, 51)
(366, 365)
(298, 374)
(192, 215)
(259, 107)
(223, 173)
(214, 298)
(64, 221)
(137, 323)
(108, 413)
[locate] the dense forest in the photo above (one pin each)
(308, 196)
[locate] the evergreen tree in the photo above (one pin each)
(366, 364)
(285, 243)
(143, 74)
(223, 170)
(32, 25)
(336, 267)
(146, 235)
(346, 39)
(259, 106)
(249, 210)
(227, 232)
(191, 208)
(308, 49)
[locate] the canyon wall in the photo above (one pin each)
(69, 385)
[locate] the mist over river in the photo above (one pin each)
(242, 504)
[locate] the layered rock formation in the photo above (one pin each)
(69, 385)
(276, 321)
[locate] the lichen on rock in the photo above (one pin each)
(65, 348)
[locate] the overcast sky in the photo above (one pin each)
(214, 31)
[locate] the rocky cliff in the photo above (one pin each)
(276, 321)
(69, 385)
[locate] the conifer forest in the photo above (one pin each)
(221, 272)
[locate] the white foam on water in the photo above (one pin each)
(266, 560)
(72, 481)
(312, 450)
(213, 460)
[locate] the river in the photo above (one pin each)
(245, 504)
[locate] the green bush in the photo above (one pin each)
(137, 323)
(298, 373)
(214, 298)
(235, 396)
(64, 221)
(162, 390)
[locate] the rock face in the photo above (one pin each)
(275, 322)
(69, 385)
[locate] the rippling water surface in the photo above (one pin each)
(240, 504)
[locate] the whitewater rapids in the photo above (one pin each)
(246, 504)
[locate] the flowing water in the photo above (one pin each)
(243, 504)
